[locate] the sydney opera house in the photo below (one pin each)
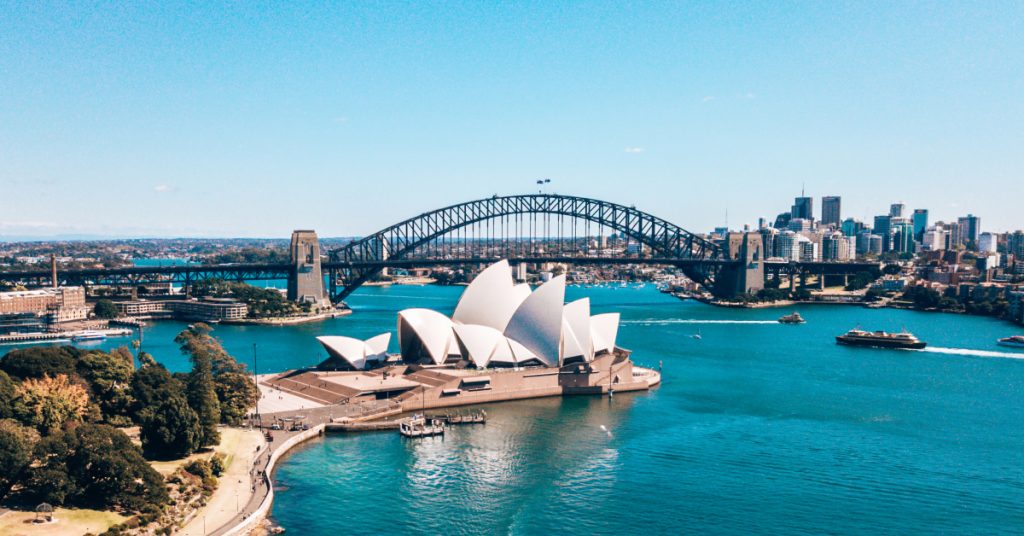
(504, 341)
(497, 323)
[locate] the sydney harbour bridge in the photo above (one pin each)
(534, 228)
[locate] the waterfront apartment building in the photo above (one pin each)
(207, 310)
(787, 245)
(831, 210)
(63, 304)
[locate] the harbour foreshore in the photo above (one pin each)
(322, 418)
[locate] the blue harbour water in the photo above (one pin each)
(758, 428)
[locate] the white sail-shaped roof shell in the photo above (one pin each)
(604, 329)
(433, 329)
(357, 352)
(537, 323)
(503, 353)
(498, 322)
(491, 299)
(377, 347)
(479, 342)
(576, 338)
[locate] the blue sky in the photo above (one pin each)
(253, 119)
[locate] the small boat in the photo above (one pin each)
(1016, 341)
(419, 426)
(88, 335)
(794, 318)
(697, 335)
(881, 339)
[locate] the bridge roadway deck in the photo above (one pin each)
(254, 272)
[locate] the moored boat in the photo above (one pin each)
(1016, 341)
(881, 339)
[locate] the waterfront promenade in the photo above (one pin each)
(260, 470)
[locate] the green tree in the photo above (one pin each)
(105, 309)
(16, 444)
(39, 361)
(149, 385)
(236, 393)
(170, 429)
(95, 466)
(7, 392)
(202, 396)
(235, 389)
(109, 376)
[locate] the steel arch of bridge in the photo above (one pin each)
(356, 262)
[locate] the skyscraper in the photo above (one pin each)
(803, 208)
(970, 229)
(1015, 244)
(831, 210)
(883, 228)
(852, 226)
(920, 223)
(902, 235)
(896, 210)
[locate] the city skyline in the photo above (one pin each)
(153, 121)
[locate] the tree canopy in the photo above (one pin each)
(105, 309)
(95, 466)
(49, 403)
(16, 444)
(7, 392)
(39, 361)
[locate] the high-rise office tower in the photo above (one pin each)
(970, 229)
(902, 235)
(896, 210)
(883, 228)
(831, 209)
(920, 223)
(803, 208)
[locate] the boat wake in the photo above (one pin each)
(970, 352)
(695, 321)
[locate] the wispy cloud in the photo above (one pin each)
(341, 120)
(749, 95)
(161, 188)
(634, 150)
(708, 98)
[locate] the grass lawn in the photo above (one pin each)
(68, 522)
(228, 443)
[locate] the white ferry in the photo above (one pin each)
(88, 335)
